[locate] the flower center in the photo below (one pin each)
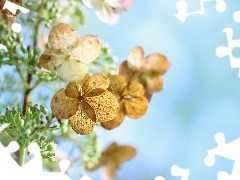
(80, 98)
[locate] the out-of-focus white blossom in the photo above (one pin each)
(108, 10)
(16, 27)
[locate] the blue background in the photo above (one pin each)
(201, 92)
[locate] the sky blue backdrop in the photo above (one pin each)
(201, 92)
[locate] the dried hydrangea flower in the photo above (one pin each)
(85, 102)
(131, 100)
(108, 10)
(146, 70)
(112, 158)
(69, 54)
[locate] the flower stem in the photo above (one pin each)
(22, 153)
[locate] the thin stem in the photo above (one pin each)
(42, 128)
(26, 93)
(22, 153)
(21, 77)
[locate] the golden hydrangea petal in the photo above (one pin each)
(126, 72)
(136, 107)
(135, 58)
(95, 92)
(97, 81)
(110, 169)
(89, 111)
(51, 59)
(115, 155)
(104, 105)
(63, 107)
(157, 63)
(117, 84)
(80, 123)
(86, 50)
(73, 90)
(109, 150)
(124, 153)
(62, 36)
(152, 82)
(134, 89)
(71, 71)
(117, 120)
(119, 153)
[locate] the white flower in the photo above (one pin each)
(16, 27)
(108, 10)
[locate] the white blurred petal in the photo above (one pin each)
(16, 27)
(114, 3)
(95, 4)
(106, 15)
(71, 71)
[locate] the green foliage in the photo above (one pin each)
(32, 126)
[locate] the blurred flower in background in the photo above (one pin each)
(108, 10)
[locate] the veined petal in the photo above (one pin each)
(151, 81)
(73, 90)
(62, 36)
(117, 120)
(97, 81)
(95, 4)
(135, 58)
(136, 107)
(62, 106)
(86, 50)
(80, 123)
(126, 72)
(71, 71)
(156, 62)
(104, 105)
(51, 59)
(134, 89)
(89, 111)
(117, 84)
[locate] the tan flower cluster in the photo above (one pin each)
(85, 102)
(69, 54)
(112, 158)
(131, 100)
(146, 70)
